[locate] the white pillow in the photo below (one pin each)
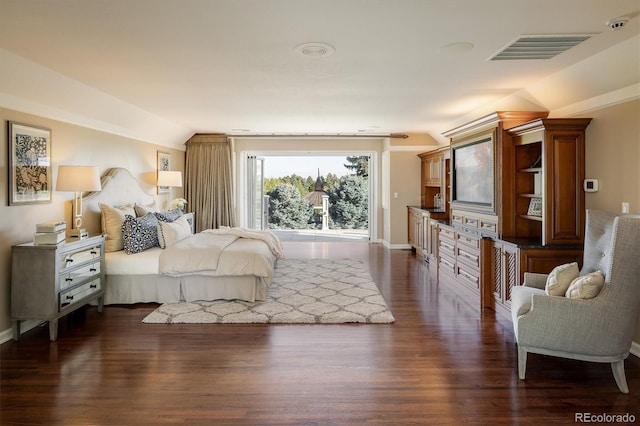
(560, 279)
(170, 233)
(586, 286)
(143, 210)
(112, 219)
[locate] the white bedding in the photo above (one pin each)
(215, 254)
(145, 263)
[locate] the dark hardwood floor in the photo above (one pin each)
(441, 362)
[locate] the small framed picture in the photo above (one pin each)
(29, 164)
(164, 164)
(535, 207)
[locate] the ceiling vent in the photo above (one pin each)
(538, 47)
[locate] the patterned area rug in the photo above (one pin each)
(316, 291)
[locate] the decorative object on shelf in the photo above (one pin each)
(50, 233)
(535, 207)
(78, 179)
(164, 163)
(177, 204)
(29, 164)
(537, 164)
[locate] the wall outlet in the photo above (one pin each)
(625, 207)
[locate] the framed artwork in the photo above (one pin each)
(164, 164)
(29, 164)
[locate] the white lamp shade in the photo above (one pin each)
(78, 179)
(169, 178)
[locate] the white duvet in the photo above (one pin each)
(221, 253)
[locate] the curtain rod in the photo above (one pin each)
(323, 135)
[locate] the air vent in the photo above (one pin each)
(538, 47)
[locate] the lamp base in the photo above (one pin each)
(78, 233)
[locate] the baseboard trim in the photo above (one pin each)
(396, 246)
(25, 326)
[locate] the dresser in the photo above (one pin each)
(49, 282)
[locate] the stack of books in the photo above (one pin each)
(50, 233)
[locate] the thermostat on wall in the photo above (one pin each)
(591, 185)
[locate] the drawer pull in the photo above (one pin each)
(69, 297)
(92, 269)
(94, 252)
(93, 286)
(68, 260)
(68, 279)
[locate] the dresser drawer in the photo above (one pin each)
(74, 258)
(447, 233)
(447, 266)
(472, 242)
(75, 295)
(447, 248)
(69, 277)
(468, 277)
(469, 257)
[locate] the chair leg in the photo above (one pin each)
(522, 362)
(618, 374)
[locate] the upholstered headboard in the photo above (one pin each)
(119, 187)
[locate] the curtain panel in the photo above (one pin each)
(208, 181)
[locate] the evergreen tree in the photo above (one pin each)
(349, 203)
(287, 209)
(359, 165)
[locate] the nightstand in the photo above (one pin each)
(49, 282)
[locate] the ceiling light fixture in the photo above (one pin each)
(314, 50)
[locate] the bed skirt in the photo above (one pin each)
(128, 289)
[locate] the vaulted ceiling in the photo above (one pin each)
(161, 70)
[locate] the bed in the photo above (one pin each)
(229, 263)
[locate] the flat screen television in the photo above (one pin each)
(473, 174)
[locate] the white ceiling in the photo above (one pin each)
(161, 70)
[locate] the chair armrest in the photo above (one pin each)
(535, 280)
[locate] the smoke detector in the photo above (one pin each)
(617, 24)
(314, 50)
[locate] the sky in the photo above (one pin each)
(304, 166)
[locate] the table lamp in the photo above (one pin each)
(78, 179)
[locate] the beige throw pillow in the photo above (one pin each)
(170, 233)
(560, 279)
(112, 220)
(586, 286)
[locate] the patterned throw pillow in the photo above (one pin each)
(169, 216)
(139, 234)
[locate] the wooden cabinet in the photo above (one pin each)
(434, 177)
(547, 201)
(48, 282)
(414, 229)
(536, 219)
(511, 258)
(461, 256)
(504, 275)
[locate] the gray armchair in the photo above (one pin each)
(600, 329)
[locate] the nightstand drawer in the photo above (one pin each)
(68, 298)
(69, 260)
(70, 277)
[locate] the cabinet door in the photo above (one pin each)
(510, 273)
(564, 197)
